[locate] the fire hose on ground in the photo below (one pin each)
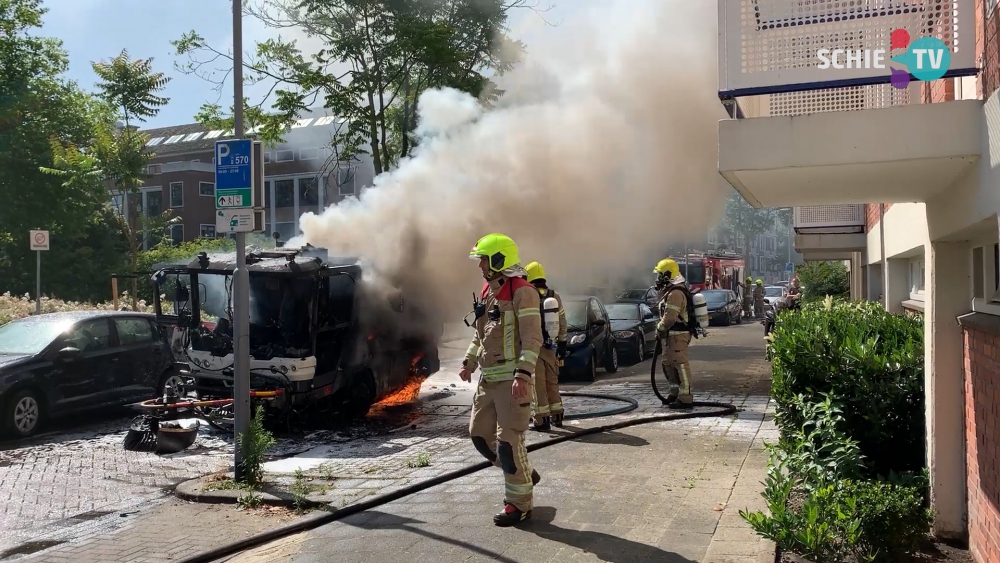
(719, 409)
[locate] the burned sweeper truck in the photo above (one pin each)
(322, 337)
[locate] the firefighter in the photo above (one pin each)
(547, 407)
(758, 299)
(675, 330)
(505, 349)
(747, 297)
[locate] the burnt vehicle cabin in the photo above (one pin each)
(316, 334)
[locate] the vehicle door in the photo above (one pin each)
(83, 361)
(599, 328)
(143, 358)
(649, 322)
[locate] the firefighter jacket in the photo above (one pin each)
(509, 335)
(758, 292)
(673, 311)
(545, 293)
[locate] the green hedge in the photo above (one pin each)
(869, 360)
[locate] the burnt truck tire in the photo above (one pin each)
(22, 415)
(361, 397)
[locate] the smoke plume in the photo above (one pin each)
(602, 151)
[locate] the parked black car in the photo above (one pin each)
(634, 328)
(647, 296)
(59, 363)
(723, 306)
(590, 339)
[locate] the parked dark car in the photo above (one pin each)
(590, 339)
(634, 328)
(60, 363)
(647, 296)
(723, 307)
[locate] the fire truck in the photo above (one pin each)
(712, 270)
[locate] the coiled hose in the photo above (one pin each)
(719, 409)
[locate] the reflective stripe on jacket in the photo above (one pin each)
(508, 346)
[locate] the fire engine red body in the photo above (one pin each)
(712, 270)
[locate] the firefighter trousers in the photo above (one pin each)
(675, 365)
(758, 308)
(748, 307)
(546, 397)
(497, 429)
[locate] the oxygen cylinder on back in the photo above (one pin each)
(700, 309)
(550, 317)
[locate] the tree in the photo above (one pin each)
(820, 279)
(745, 222)
(377, 57)
(37, 106)
(116, 157)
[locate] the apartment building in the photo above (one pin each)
(301, 174)
(900, 180)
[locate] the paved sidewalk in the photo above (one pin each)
(662, 490)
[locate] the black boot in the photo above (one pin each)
(557, 419)
(510, 516)
(542, 424)
(535, 477)
(678, 405)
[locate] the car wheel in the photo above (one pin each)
(739, 318)
(23, 414)
(640, 349)
(172, 379)
(611, 358)
(729, 320)
(590, 373)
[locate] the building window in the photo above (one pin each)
(153, 169)
(308, 154)
(206, 231)
(284, 156)
(152, 203)
(345, 180)
(917, 280)
(176, 194)
(267, 157)
(978, 272)
(308, 191)
(206, 189)
(284, 193)
(267, 194)
(176, 234)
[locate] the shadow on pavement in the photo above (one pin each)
(604, 546)
(613, 438)
(385, 521)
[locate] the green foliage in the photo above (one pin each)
(869, 360)
(254, 444)
(820, 279)
(745, 222)
(38, 104)
(393, 50)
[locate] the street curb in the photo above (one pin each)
(768, 552)
(193, 490)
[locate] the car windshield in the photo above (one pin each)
(715, 297)
(622, 312)
(632, 294)
(30, 336)
(772, 291)
(576, 315)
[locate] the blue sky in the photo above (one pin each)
(93, 30)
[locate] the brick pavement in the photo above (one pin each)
(372, 465)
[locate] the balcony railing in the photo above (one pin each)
(829, 218)
(769, 51)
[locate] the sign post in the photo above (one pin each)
(39, 243)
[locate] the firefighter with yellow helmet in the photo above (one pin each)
(547, 407)
(676, 327)
(505, 347)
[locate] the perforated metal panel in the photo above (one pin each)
(772, 44)
(829, 216)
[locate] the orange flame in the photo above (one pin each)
(410, 390)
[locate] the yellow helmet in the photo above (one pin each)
(535, 271)
(667, 268)
(499, 249)
(758, 282)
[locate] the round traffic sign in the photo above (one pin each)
(40, 238)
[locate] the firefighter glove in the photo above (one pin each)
(561, 350)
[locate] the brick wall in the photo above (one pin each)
(871, 215)
(982, 426)
(988, 50)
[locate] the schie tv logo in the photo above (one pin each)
(927, 58)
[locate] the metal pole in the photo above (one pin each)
(38, 283)
(885, 261)
(788, 245)
(241, 281)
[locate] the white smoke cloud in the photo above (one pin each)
(602, 153)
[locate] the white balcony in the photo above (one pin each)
(829, 219)
(805, 136)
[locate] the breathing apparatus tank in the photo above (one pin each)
(700, 309)
(550, 317)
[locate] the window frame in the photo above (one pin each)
(202, 183)
(139, 321)
(170, 234)
(171, 186)
(277, 202)
(291, 152)
(917, 293)
(201, 230)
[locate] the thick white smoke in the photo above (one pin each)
(602, 152)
